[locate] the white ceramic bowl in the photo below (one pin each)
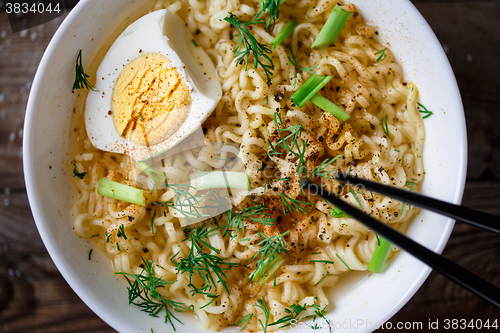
(357, 308)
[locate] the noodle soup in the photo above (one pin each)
(270, 256)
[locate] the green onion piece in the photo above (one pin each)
(115, 190)
(380, 255)
(309, 89)
(338, 213)
(261, 275)
(332, 28)
(222, 179)
(283, 34)
(156, 175)
(329, 106)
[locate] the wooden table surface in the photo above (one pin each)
(35, 298)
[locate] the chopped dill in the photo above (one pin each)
(323, 261)
(426, 112)
(244, 320)
(319, 171)
(272, 7)
(270, 246)
(356, 197)
(382, 55)
(292, 314)
(309, 69)
(261, 303)
(78, 174)
(343, 262)
(293, 60)
(324, 276)
(385, 126)
(235, 221)
(410, 186)
(143, 293)
(246, 44)
(152, 223)
(293, 205)
(202, 264)
(121, 231)
(80, 76)
(90, 254)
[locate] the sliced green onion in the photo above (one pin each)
(115, 190)
(380, 256)
(262, 274)
(329, 106)
(309, 89)
(284, 33)
(222, 179)
(156, 175)
(332, 28)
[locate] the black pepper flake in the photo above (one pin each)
(321, 138)
(198, 32)
(279, 97)
(130, 218)
(145, 250)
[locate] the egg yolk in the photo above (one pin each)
(150, 100)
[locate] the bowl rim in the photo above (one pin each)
(59, 261)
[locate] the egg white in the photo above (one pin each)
(146, 35)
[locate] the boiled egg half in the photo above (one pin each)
(153, 88)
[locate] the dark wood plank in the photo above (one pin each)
(35, 298)
(468, 32)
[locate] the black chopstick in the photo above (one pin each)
(440, 264)
(464, 214)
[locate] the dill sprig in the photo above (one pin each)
(308, 69)
(272, 7)
(246, 44)
(382, 55)
(293, 205)
(295, 133)
(235, 221)
(270, 246)
(410, 185)
(121, 231)
(244, 320)
(202, 264)
(356, 198)
(80, 76)
(143, 293)
(324, 276)
(346, 265)
(261, 303)
(292, 314)
(78, 174)
(185, 203)
(385, 126)
(293, 60)
(319, 171)
(426, 112)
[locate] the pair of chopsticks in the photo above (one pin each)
(440, 264)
